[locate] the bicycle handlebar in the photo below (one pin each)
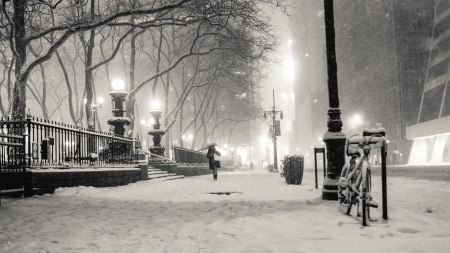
(361, 140)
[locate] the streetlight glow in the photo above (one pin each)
(290, 69)
(118, 84)
(155, 105)
(356, 121)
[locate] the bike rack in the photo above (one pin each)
(318, 151)
(379, 142)
(383, 180)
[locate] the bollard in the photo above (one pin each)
(383, 181)
(319, 150)
(381, 132)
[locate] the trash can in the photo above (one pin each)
(293, 169)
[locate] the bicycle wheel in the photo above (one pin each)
(364, 189)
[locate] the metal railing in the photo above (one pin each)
(182, 155)
(54, 144)
(156, 158)
(12, 163)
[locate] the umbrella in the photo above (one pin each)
(209, 145)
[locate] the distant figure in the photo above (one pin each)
(212, 161)
(251, 166)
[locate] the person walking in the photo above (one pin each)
(213, 164)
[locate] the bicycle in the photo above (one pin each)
(356, 182)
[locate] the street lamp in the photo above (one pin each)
(118, 98)
(275, 129)
(156, 132)
(147, 127)
(334, 139)
(100, 101)
(187, 139)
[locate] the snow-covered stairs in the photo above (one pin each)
(162, 175)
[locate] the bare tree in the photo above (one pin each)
(21, 31)
(205, 28)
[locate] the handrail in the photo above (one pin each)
(190, 150)
(183, 155)
(367, 139)
(160, 157)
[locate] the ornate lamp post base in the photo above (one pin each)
(157, 148)
(119, 124)
(335, 143)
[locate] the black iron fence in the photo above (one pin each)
(12, 163)
(54, 144)
(182, 155)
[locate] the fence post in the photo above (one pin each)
(29, 142)
(78, 148)
(383, 181)
(24, 153)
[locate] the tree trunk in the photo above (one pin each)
(88, 75)
(130, 113)
(130, 104)
(20, 51)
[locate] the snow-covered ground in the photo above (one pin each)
(263, 214)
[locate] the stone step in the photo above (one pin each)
(174, 177)
(157, 176)
(162, 175)
(157, 172)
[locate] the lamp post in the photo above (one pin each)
(187, 139)
(118, 121)
(147, 127)
(232, 155)
(100, 101)
(275, 129)
(92, 142)
(334, 139)
(118, 98)
(156, 132)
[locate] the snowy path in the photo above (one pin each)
(262, 215)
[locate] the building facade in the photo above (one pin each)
(430, 134)
(382, 58)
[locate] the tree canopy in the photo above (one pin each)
(198, 55)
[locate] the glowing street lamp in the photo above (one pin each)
(187, 138)
(118, 85)
(118, 98)
(156, 132)
(356, 121)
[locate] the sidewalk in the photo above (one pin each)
(260, 213)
